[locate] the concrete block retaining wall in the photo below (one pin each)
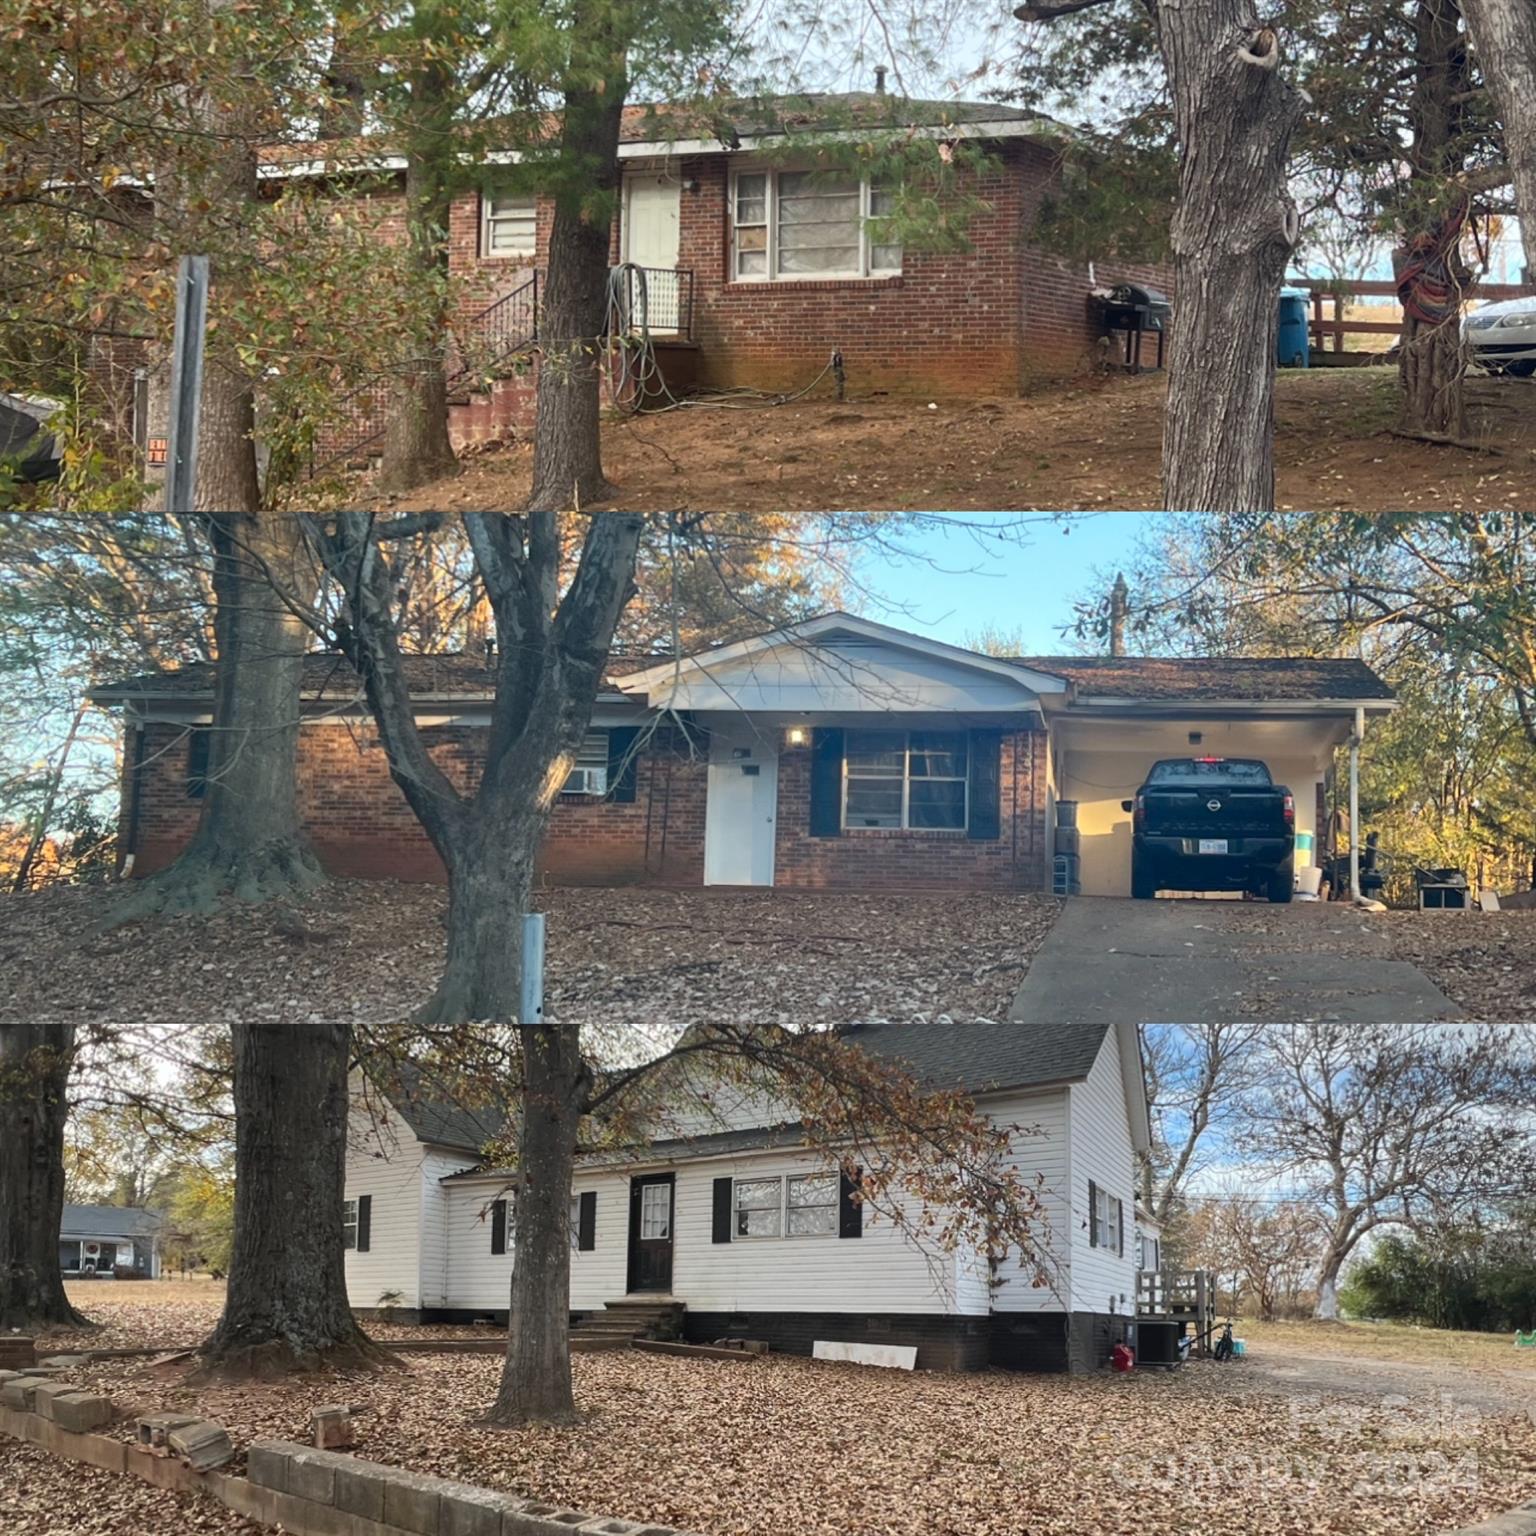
(309, 1492)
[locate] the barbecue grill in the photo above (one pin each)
(1131, 310)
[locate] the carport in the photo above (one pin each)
(1125, 713)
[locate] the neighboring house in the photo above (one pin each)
(836, 753)
(760, 260)
(730, 1214)
(103, 1239)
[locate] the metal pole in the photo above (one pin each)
(1354, 804)
(186, 383)
(531, 1009)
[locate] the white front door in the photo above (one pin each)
(652, 223)
(741, 808)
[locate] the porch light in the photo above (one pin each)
(798, 736)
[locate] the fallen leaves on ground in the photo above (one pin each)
(791, 1445)
(43, 1496)
(1485, 962)
(630, 958)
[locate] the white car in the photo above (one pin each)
(1501, 337)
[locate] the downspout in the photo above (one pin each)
(1356, 737)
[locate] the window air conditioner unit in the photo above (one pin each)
(587, 781)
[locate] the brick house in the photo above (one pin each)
(757, 268)
(836, 753)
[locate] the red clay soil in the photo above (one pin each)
(1088, 443)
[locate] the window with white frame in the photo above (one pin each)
(590, 775)
(795, 1205)
(911, 779)
(508, 226)
(811, 224)
(759, 1207)
(810, 1204)
(349, 1224)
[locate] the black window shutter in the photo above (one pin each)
(826, 782)
(1120, 1227)
(199, 744)
(985, 819)
(586, 1221)
(621, 763)
(1093, 1214)
(364, 1222)
(721, 1230)
(498, 1226)
(850, 1212)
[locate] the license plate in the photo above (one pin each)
(1213, 845)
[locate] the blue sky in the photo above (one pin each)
(959, 582)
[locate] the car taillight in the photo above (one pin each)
(1139, 815)
(1210, 759)
(1290, 810)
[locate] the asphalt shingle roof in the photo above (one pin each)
(1215, 678)
(110, 1221)
(436, 1118)
(981, 1055)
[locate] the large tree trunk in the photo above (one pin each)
(416, 444)
(567, 451)
(286, 1308)
(249, 842)
(34, 1074)
(1327, 1308)
(1504, 34)
(1233, 232)
(536, 1378)
(1433, 282)
(490, 877)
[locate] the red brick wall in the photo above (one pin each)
(882, 860)
(989, 320)
(362, 827)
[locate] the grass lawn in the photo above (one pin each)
(790, 1445)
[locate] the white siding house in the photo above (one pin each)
(737, 1220)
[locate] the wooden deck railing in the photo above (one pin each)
(1174, 1292)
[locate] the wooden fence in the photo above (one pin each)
(1336, 325)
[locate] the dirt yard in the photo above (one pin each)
(1085, 444)
(1322, 1427)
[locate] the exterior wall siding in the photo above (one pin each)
(1103, 1280)
(1041, 1148)
(385, 1161)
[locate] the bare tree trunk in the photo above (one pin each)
(1504, 35)
(416, 444)
(1432, 279)
(1327, 1308)
(1233, 232)
(250, 842)
(567, 450)
(536, 1377)
(34, 1075)
(552, 643)
(286, 1308)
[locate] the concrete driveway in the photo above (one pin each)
(1192, 962)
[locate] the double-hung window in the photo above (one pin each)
(508, 227)
(349, 1224)
(911, 779)
(796, 1205)
(590, 775)
(811, 224)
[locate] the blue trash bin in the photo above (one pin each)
(1291, 331)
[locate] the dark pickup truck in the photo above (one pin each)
(1210, 824)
